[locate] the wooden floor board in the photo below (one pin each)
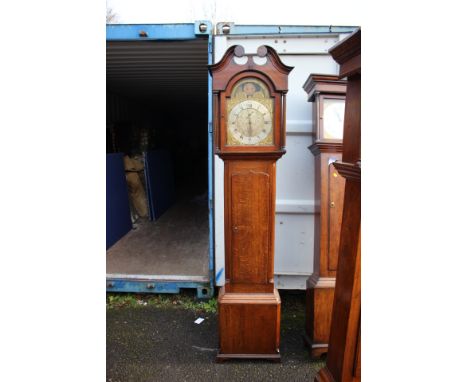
(176, 244)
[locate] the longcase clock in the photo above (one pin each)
(249, 116)
(327, 94)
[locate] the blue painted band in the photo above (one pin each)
(210, 168)
(219, 274)
(153, 32)
(149, 286)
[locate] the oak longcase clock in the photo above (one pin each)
(327, 94)
(249, 118)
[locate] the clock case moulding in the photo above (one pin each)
(319, 87)
(226, 74)
(249, 304)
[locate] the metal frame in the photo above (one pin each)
(141, 32)
(210, 164)
(171, 284)
(157, 286)
(282, 29)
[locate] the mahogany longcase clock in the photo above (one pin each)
(249, 116)
(327, 93)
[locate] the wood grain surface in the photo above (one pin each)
(249, 305)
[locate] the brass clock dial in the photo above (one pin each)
(250, 122)
(250, 114)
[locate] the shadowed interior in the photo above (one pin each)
(157, 100)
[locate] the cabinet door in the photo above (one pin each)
(336, 184)
(250, 226)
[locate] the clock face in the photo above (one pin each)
(250, 122)
(333, 116)
(250, 114)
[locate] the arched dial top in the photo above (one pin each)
(250, 114)
(249, 101)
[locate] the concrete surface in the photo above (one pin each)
(149, 343)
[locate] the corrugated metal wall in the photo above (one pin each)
(117, 108)
(158, 69)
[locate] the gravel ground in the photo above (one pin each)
(150, 343)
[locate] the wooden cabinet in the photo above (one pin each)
(249, 119)
(344, 354)
(327, 94)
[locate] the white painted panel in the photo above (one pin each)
(291, 281)
(295, 170)
(220, 47)
(294, 243)
(295, 206)
(297, 44)
(298, 110)
(219, 220)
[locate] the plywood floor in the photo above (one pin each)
(175, 245)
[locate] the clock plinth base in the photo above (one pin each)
(316, 350)
(319, 306)
(249, 325)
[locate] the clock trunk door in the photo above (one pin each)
(336, 185)
(250, 212)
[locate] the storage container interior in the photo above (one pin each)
(157, 108)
